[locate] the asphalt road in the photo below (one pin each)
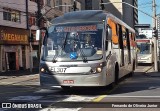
(141, 88)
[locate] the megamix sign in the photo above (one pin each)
(8, 37)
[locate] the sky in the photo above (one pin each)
(146, 6)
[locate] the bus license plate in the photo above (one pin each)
(68, 81)
(58, 69)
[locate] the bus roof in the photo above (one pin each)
(81, 16)
(87, 16)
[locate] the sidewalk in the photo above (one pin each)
(13, 74)
(151, 73)
(146, 69)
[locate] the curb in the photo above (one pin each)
(146, 69)
(149, 69)
(9, 77)
(15, 80)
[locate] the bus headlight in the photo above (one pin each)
(96, 70)
(43, 70)
(99, 69)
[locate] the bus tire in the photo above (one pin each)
(116, 74)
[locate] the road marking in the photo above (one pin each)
(78, 98)
(99, 98)
(47, 90)
(28, 98)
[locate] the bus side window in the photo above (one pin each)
(124, 33)
(120, 37)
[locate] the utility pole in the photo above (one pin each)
(27, 26)
(39, 16)
(30, 45)
(154, 37)
(102, 7)
(31, 40)
(74, 5)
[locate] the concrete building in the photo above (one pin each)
(121, 10)
(18, 20)
(145, 31)
(17, 17)
(55, 8)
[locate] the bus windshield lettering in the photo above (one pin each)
(76, 28)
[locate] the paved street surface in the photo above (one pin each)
(143, 87)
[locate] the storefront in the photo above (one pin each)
(14, 49)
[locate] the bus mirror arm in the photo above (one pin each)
(108, 33)
(109, 54)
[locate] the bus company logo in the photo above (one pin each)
(14, 105)
(6, 105)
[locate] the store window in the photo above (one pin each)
(11, 15)
(48, 3)
(57, 4)
(88, 4)
(33, 0)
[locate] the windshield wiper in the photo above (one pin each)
(63, 47)
(84, 58)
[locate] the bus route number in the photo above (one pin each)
(57, 69)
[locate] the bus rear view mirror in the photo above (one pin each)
(38, 32)
(109, 33)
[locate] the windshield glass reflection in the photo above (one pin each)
(73, 42)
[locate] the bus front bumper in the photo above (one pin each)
(47, 80)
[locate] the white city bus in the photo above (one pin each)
(86, 48)
(145, 50)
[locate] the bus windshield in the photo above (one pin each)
(70, 42)
(143, 48)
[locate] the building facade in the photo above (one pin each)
(16, 18)
(55, 8)
(147, 32)
(119, 8)
(18, 21)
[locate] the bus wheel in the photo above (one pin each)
(116, 74)
(65, 87)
